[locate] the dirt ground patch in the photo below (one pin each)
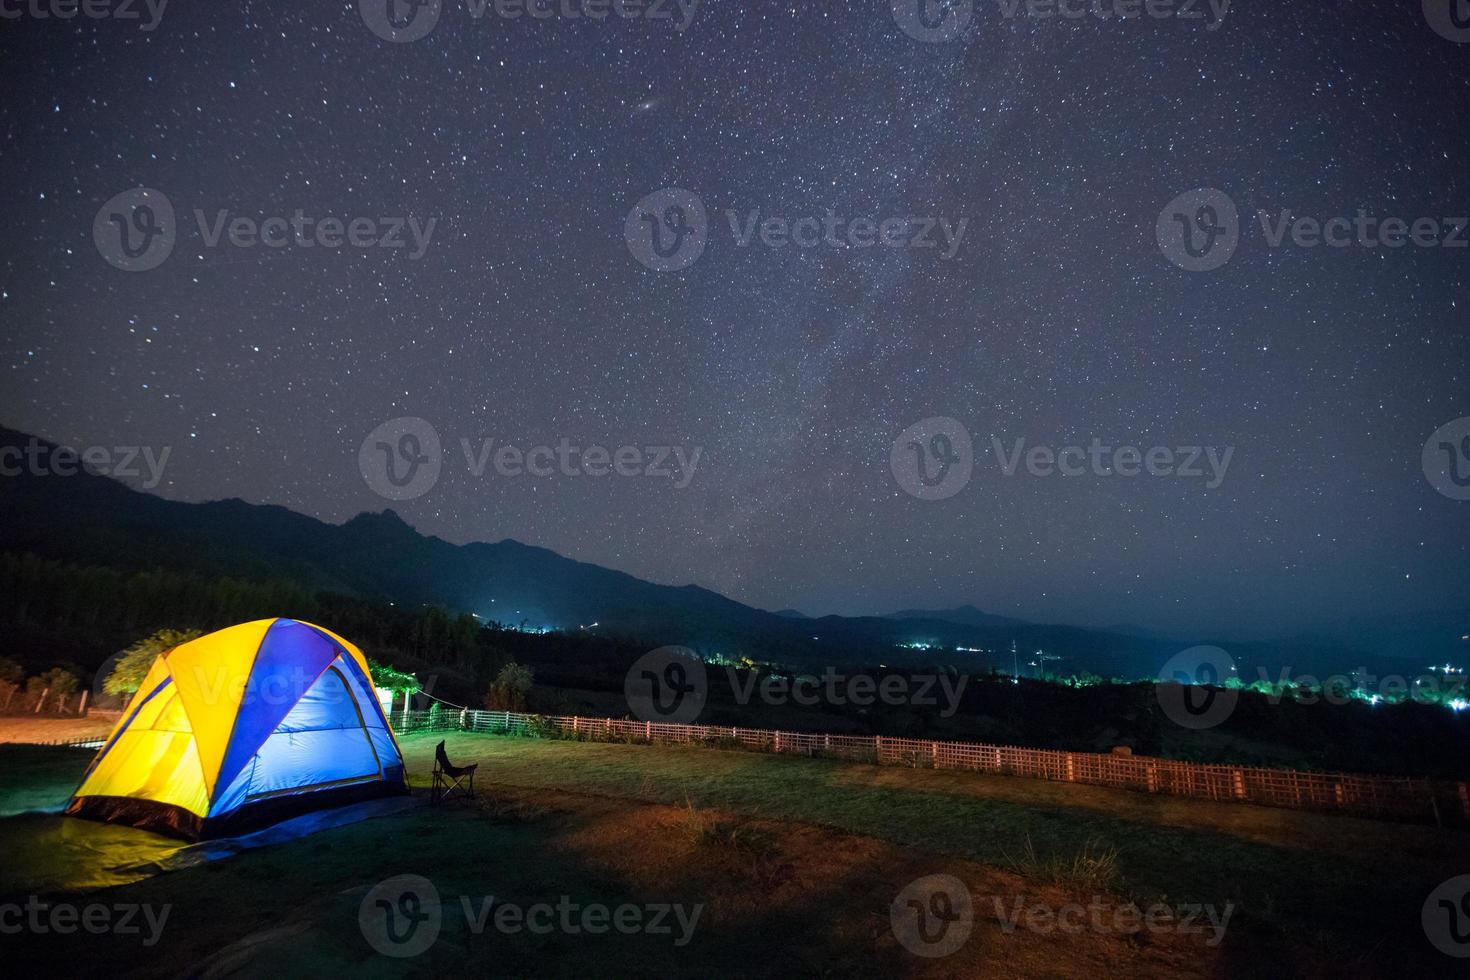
(774, 898)
(40, 731)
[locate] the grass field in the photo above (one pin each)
(794, 862)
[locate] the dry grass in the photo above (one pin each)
(34, 730)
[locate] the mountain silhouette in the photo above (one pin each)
(90, 519)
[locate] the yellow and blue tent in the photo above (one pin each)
(241, 728)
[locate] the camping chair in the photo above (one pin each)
(449, 778)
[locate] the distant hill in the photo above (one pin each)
(964, 615)
(94, 520)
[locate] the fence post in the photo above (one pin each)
(934, 754)
(82, 707)
(878, 749)
(648, 730)
(778, 743)
(1237, 783)
(1071, 770)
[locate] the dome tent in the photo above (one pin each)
(240, 728)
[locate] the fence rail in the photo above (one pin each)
(1401, 797)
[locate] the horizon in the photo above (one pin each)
(1318, 631)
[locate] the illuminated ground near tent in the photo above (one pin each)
(1308, 885)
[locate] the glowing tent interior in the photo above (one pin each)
(241, 728)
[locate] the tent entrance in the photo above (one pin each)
(322, 743)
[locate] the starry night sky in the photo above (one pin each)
(528, 320)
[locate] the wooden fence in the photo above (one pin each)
(1400, 797)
